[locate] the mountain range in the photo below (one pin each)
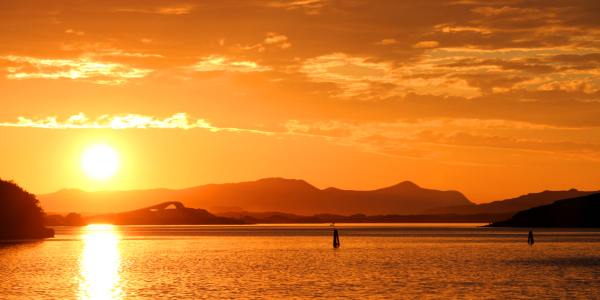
(268, 194)
(293, 199)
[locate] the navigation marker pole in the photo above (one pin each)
(530, 238)
(336, 238)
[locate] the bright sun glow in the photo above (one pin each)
(100, 161)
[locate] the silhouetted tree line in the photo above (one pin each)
(72, 219)
(20, 213)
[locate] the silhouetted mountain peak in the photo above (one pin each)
(405, 186)
(285, 183)
(408, 185)
(281, 180)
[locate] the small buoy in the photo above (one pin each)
(530, 238)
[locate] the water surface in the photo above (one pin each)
(375, 261)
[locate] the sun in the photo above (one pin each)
(100, 161)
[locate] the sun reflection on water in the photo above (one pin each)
(99, 264)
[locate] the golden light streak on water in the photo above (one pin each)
(374, 261)
(100, 263)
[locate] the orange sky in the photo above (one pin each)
(491, 98)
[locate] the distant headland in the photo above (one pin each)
(21, 216)
(580, 212)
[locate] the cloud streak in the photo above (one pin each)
(129, 121)
(414, 140)
(84, 67)
(222, 63)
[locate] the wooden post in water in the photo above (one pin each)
(336, 238)
(530, 238)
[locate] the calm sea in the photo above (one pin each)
(383, 261)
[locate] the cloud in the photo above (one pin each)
(470, 139)
(80, 121)
(489, 83)
(535, 65)
(427, 44)
(387, 42)
(490, 124)
(450, 28)
(569, 86)
(222, 63)
(355, 76)
(75, 32)
(85, 67)
(491, 11)
(416, 79)
(366, 137)
(310, 7)
(418, 138)
(553, 108)
(167, 10)
(275, 39)
(381, 145)
(114, 122)
(471, 164)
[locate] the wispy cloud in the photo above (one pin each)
(471, 164)
(114, 122)
(80, 121)
(84, 67)
(167, 10)
(310, 7)
(273, 39)
(426, 44)
(277, 40)
(222, 63)
(75, 32)
(356, 76)
(387, 42)
(414, 140)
